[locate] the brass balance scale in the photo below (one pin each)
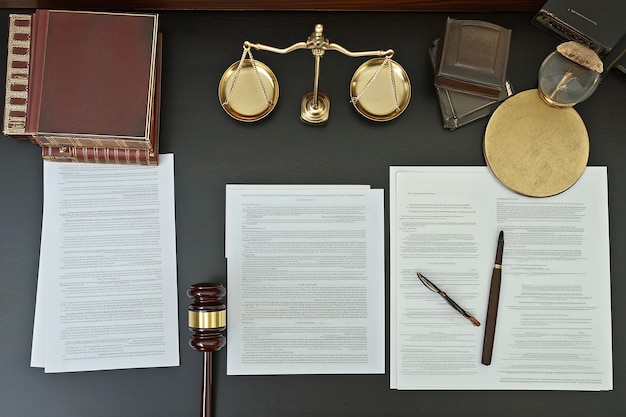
(533, 144)
(379, 90)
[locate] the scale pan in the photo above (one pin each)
(373, 94)
(250, 92)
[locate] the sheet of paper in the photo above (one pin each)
(553, 328)
(306, 280)
(107, 291)
(281, 187)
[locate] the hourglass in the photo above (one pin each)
(379, 90)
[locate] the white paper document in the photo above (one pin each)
(107, 290)
(553, 329)
(306, 280)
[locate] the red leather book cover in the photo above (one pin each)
(91, 80)
(124, 156)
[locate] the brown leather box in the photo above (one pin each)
(598, 24)
(473, 57)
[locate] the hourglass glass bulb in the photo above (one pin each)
(569, 75)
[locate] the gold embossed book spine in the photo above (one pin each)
(18, 65)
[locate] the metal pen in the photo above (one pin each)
(450, 301)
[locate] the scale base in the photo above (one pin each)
(315, 115)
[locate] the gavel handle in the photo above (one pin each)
(207, 386)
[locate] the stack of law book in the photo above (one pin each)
(470, 65)
(85, 86)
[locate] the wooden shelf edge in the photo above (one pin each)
(287, 5)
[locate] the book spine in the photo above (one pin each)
(99, 155)
(93, 142)
(39, 34)
(18, 66)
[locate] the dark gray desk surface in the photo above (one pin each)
(211, 150)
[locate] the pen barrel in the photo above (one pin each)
(492, 314)
(455, 305)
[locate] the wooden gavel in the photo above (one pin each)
(207, 319)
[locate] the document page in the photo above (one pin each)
(306, 280)
(553, 328)
(107, 292)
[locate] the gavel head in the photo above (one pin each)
(207, 316)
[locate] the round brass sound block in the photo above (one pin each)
(534, 149)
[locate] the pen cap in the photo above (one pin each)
(207, 316)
